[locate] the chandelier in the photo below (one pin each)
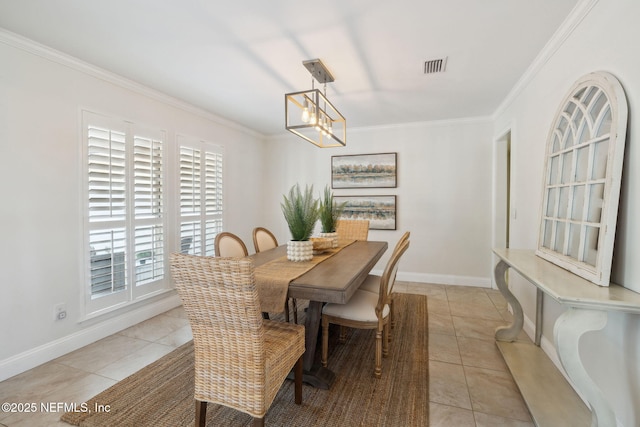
(311, 116)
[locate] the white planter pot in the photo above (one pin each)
(299, 250)
(333, 236)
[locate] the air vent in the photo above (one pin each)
(435, 65)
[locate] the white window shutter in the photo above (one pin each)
(201, 202)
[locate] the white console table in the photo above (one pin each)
(587, 310)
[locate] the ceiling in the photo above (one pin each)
(237, 59)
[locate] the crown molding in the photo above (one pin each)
(579, 12)
(19, 42)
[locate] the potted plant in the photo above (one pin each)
(301, 213)
(329, 214)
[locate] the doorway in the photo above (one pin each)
(502, 199)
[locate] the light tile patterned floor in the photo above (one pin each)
(469, 382)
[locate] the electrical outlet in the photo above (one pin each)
(60, 312)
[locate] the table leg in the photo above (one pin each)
(508, 333)
(314, 375)
(539, 307)
(312, 326)
(569, 327)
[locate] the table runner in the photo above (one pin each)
(273, 278)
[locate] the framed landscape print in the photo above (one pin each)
(364, 171)
(379, 210)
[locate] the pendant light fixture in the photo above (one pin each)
(311, 116)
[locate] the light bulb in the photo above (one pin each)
(305, 111)
(313, 119)
(320, 124)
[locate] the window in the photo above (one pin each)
(583, 171)
(200, 184)
(125, 205)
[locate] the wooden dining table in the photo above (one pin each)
(334, 280)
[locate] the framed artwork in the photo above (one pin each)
(364, 171)
(583, 172)
(379, 210)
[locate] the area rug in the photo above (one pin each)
(161, 394)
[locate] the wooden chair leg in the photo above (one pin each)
(385, 340)
(392, 319)
(325, 341)
(294, 303)
(378, 371)
(258, 422)
(201, 413)
(393, 314)
(343, 335)
(286, 310)
(298, 381)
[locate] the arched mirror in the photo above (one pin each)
(583, 171)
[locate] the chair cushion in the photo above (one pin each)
(361, 307)
(371, 284)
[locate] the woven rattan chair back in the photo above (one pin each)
(352, 229)
(263, 239)
(229, 245)
(241, 360)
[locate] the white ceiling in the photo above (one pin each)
(237, 58)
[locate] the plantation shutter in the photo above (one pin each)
(200, 196)
(107, 209)
(213, 199)
(148, 211)
(125, 221)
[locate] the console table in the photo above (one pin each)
(587, 310)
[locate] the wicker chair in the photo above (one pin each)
(241, 360)
(229, 245)
(352, 229)
(263, 240)
(365, 310)
(372, 282)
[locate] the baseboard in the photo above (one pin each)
(29, 359)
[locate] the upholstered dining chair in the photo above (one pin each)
(229, 245)
(372, 283)
(241, 360)
(263, 240)
(365, 310)
(352, 229)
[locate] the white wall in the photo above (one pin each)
(41, 96)
(606, 39)
(443, 193)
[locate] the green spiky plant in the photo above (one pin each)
(329, 211)
(301, 212)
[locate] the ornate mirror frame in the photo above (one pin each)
(582, 176)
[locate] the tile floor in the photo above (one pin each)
(469, 383)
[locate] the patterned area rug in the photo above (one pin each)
(161, 394)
